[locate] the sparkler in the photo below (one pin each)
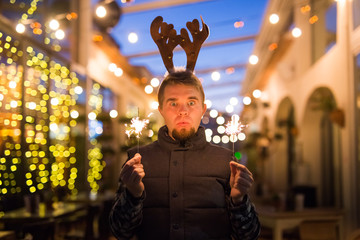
(136, 127)
(233, 128)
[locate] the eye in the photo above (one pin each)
(173, 104)
(191, 103)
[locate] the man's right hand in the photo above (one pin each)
(132, 174)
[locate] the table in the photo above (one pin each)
(59, 210)
(18, 218)
(7, 235)
(279, 221)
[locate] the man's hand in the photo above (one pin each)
(132, 174)
(241, 180)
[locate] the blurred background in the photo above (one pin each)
(73, 74)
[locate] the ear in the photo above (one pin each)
(204, 110)
(160, 110)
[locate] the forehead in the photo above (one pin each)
(180, 90)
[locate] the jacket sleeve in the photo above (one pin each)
(126, 214)
(244, 220)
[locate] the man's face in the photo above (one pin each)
(182, 110)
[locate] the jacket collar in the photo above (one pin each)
(196, 142)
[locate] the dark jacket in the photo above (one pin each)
(187, 191)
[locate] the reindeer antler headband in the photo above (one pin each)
(166, 39)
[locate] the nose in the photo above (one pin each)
(183, 110)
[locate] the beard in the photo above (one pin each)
(183, 135)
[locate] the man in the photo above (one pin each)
(192, 189)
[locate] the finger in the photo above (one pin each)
(243, 182)
(235, 167)
(138, 165)
(136, 159)
(129, 176)
(247, 176)
(126, 172)
(137, 156)
(137, 176)
(132, 168)
(240, 167)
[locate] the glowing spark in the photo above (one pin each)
(136, 126)
(234, 127)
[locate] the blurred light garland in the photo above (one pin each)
(95, 157)
(10, 120)
(48, 94)
(62, 100)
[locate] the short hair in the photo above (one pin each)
(180, 78)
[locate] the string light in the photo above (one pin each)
(54, 24)
(155, 82)
(233, 101)
(247, 100)
(256, 93)
(213, 113)
(113, 113)
(229, 108)
(273, 46)
(274, 18)
(253, 59)
(313, 19)
(148, 89)
(133, 37)
(208, 103)
(215, 76)
(239, 24)
(20, 28)
(296, 32)
(100, 11)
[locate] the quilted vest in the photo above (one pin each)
(185, 189)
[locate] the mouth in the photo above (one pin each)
(182, 124)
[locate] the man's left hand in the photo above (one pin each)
(241, 180)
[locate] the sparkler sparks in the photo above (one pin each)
(136, 126)
(233, 128)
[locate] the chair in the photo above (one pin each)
(319, 230)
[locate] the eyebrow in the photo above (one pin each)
(189, 98)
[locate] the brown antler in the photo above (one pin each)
(166, 40)
(192, 49)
